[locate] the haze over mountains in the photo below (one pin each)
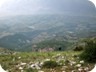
(56, 23)
(70, 7)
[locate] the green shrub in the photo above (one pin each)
(78, 48)
(89, 53)
(31, 70)
(50, 64)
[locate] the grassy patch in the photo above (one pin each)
(35, 61)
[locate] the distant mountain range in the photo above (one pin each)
(67, 20)
(22, 32)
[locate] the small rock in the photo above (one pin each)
(40, 71)
(21, 68)
(82, 61)
(78, 65)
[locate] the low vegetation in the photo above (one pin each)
(50, 64)
(82, 59)
(46, 62)
(89, 53)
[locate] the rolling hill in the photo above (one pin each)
(70, 20)
(18, 32)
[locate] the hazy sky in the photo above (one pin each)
(2, 2)
(11, 6)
